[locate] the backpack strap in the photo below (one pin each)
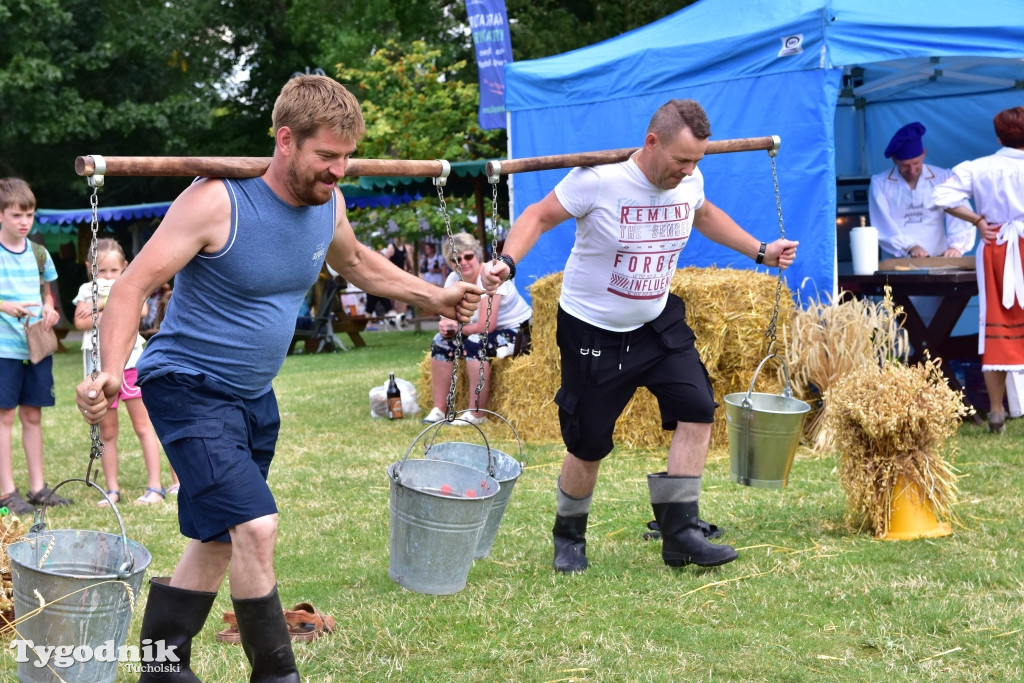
(40, 254)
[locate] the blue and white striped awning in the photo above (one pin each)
(66, 221)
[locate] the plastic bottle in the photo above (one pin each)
(394, 400)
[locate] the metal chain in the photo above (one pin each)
(96, 450)
(449, 413)
(490, 300)
(770, 334)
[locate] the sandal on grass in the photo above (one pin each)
(172, 490)
(305, 623)
(112, 495)
(230, 634)
(152, 495)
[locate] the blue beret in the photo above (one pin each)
(906, 143)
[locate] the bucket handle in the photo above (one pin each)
(397, 476)
(787, 391)
(522, 457)
(39, 526)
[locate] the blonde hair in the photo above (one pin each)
(461, 242)
(106, 245)
(310, 102)
(16, 192)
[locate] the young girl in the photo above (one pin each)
(110, 263)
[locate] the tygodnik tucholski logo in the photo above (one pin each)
(154, 657)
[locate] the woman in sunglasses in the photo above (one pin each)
(509, 319)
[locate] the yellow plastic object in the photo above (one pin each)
(911, 515)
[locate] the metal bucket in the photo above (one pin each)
(502, 466)
(74, 590)
(764, 432)
(438, 510)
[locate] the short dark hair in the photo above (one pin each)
(674, 115)
(1009, 125)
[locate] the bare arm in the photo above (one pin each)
(964, 213)
(719, 227)
(374, 273)
(536, 220)
(198, 220)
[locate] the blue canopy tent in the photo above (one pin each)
(833, 78)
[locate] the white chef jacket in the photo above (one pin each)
(905, 217)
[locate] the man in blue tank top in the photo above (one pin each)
(206, 376)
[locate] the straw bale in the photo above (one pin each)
(11, 529)
(465, 389)
(729, 311)
(895, 422)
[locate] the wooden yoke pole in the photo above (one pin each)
(242, 167)
(768, 143)
(251, 167)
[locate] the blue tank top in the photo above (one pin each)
(232, 314)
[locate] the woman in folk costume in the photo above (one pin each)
(996, 183)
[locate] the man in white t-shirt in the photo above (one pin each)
(619, 328)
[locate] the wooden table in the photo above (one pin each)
(955, 288)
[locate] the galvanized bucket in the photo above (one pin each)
(498, 464)
(764, 432)
(74, 590)
(438, 510)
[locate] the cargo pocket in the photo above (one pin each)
(568, 418)
(188, 449)
(671, 328)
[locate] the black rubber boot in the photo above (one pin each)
(173, 616)
(265, 639)
(682, 539)
(570, 543)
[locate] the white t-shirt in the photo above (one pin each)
(904, 217)
(513, 310)
(629, 234)
(85, 294)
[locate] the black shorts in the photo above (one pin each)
(601, 371)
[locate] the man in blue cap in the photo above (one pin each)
(899, 200)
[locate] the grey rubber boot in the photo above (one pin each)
(674, 501)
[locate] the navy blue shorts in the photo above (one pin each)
(24, 384)
(220, 446)
(601, 371)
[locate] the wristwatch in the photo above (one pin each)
(760, 254)
(510, 262)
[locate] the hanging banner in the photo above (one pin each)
(489, 24)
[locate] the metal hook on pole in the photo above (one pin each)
(96, 179)
(777, 142)
(493, 171)
(446, 168)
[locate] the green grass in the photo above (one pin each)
(807, 600)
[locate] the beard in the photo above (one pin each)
(308, 189)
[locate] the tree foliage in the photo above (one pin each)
(199, 77)
(416, 107)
